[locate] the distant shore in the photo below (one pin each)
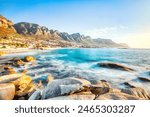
(21, 50)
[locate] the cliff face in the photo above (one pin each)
(32, 29)
(6, 27)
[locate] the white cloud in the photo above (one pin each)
(106, 32)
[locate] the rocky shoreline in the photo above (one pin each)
(19, 86)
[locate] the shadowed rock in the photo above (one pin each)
(36, 95)
(7, 91)
(115, 66)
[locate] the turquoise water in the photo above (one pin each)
(82, 63)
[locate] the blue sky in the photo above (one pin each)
(121, 20)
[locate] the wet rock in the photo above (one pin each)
(115, 66)
(53, 88)
(144, 79)
(129, 85)
(138, 92)
(11, 77)
(9, 70)
(19, 63)
(15, 59)
(29, 59)
(99, 90)
(117, 96)
(74, 97)
(7, 91)
(24, 71)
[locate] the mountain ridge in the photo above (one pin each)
(41, 35)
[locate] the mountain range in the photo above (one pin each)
(34, 35)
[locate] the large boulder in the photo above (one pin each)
(117, 96)
(115, 66)
(137, 91)
(7, 91)
(29, 59)
(24, 86)
(55, 88)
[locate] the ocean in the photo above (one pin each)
(83, 63)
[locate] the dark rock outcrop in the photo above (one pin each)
(144, 79)
(115, 66)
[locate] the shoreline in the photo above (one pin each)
(95, 88)
(22, 50)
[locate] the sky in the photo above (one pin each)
(123, 21)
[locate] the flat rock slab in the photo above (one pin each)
(115, 66)
(11, 77)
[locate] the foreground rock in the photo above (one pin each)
(7, 91)
(58, 87)
(138, 92)
(24, 86)
(115, 66)
(117, 96)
